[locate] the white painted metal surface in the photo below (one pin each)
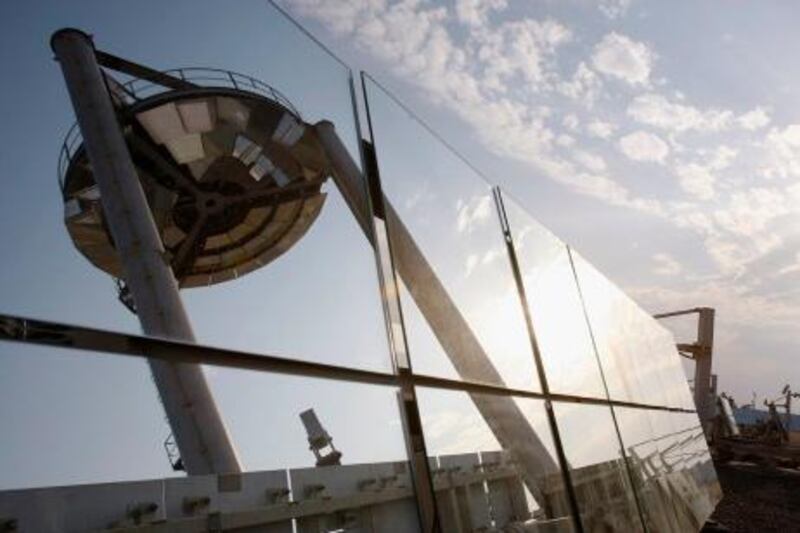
(198, 428)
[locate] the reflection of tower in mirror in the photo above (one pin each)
(182, 179)
(231, 178)
(319, 441)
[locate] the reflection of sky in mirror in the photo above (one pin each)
(590, 439)
(452, 424)
(319, 301)
(679, 179)
(556, 310)
(638, 355)
(588, 433)
(450, 212)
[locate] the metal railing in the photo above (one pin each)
(138, 89)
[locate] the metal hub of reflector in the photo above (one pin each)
(232, 177)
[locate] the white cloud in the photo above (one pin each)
(696, 180)
(688, 215)
(614, 9)
(585, 86)
(565, 140)
(721, 157)
(738, 305)
(745, 227)
(501, 78)
(792, 267)
(782, 148)
(750, 211)
(571, 122)
(489, 81)
(621, 57)
(504, 78)
(699, 178)
(666, 265)
(655, 110)
(475, 12)
(592, 162)
(644, 146)
(600, 129)
(516, 49)
(472, 262)
(754, 120)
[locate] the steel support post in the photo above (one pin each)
(702, 364)
(198, 428)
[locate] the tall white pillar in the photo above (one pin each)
(199, 431)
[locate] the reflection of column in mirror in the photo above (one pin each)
(353, 187)
(551, 417)
(502, 415)
(200, 433)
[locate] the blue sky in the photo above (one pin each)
(661, 139)
(657, 139)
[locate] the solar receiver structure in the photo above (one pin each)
(531, 393)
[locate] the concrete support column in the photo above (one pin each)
(199, 431)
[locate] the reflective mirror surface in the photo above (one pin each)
(481, 484)
(462, 311)
(562, 333)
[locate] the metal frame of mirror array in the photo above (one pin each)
(404, 379)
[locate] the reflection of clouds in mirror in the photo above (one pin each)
(492, 255)
(546, 84)
(450, 213)
(588, 434)
(486, 260)
(453, 425)
(473, 212)
(472, 262)
(422, 195)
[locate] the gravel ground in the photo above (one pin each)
(758, 498)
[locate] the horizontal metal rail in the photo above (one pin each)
(678, 313)
(55, 334)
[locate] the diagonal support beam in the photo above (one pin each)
(136, 70)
